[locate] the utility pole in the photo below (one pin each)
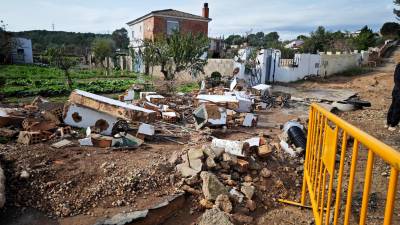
(52, 26)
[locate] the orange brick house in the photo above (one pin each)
(164, 22)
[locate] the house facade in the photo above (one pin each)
(165, 22)
(21, 53)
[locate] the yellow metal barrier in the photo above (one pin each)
(327, 135)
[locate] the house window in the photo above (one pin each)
(133, 34)
(172, 26)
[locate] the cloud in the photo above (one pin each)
(289, 17)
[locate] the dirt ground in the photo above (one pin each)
(78, 185)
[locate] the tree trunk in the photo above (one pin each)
(167, 75)
(68, 79)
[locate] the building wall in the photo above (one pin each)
(194, 26)
(26, 46)
(333, 64)
(154, 26)
(223, 66)
(138, 32)
(307, 64)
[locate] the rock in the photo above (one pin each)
(196, 164)
(232, 159)
(192, 181)
(223, 203)
(231, 183)
(253, 165)
(242, 165)
(235, 176)
(212, 187)
(174, 158)
(217, 151)
(266, 173)
(225, 165)
(186, 171)
(210, 163)
(248, 190)
(240, 218)
(248, 178)
(24, 174)
(195, 154)
(264, 151)
(251, 205)
(214, 216)
(235, 194)
(206, 204)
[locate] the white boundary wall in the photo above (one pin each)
(306, 65)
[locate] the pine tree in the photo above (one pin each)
(397, 11)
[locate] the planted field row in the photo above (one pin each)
(98, 86)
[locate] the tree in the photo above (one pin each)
(180, 52)
(148, 53)
(234, 40)
(396, 11)
(6, 42)
(121, 39)
(365, 39)
(103, 48)
(390, 29)
(58, 58)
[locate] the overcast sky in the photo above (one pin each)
(289, 17)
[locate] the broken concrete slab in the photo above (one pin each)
(62, 144)
(124, 218)
(232, 147)
(83, 117)
(146, 129)
(112, 107)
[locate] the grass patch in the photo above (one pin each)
(355, 71)
(186, 88)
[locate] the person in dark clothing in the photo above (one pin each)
(393, 116)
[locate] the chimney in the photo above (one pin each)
(206, 11)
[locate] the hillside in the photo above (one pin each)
(43, 39)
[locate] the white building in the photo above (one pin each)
(21, 52)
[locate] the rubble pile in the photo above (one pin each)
(74, 157)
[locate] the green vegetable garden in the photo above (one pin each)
(25, 81)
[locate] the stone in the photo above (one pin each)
(240, 218)
(266, 173)
(24, 174)
(214, 216)
(210, 163)
(225, 165)
(186, 171)
(248, 178)
(217, 151)
(264, 151)
(231, 159)
(223, 203)
(253, 165)
(195, 154)
(173, 158)
(212, 187)
(235, 194)
(196, 164)
(251, 205)
(206, 204)
(231, 183)
(209, 153)
(242, 165)
(248, 190)
(235, 176)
